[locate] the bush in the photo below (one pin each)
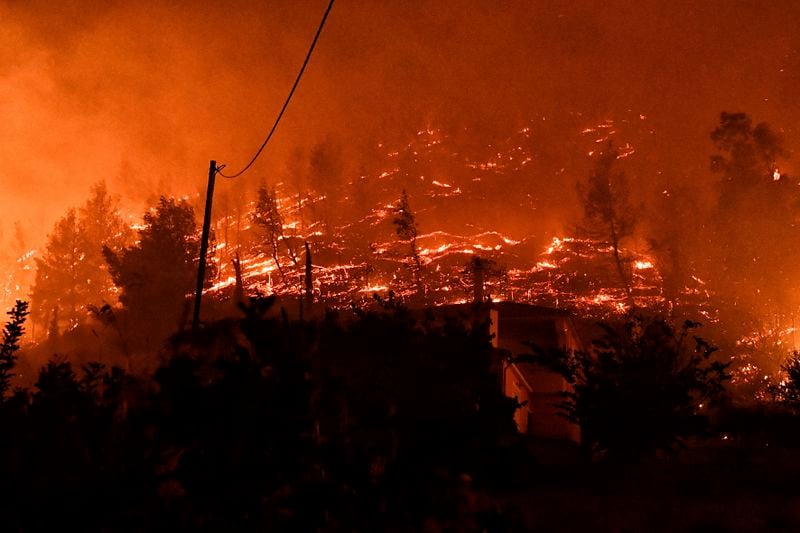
(642, 386)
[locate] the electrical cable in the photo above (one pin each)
(285, 103)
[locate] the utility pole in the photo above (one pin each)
(201, 267)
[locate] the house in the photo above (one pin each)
(513, 326)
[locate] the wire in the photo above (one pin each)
(286, 103)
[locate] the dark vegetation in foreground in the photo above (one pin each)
(382, 422)
(262, 423)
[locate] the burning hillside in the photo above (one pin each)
(452, 182)
(450, 187)
(462, 243)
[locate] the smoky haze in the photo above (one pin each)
(144, 94)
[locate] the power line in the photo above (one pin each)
(286, 103)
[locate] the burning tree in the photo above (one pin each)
(405, 224)
(267, 215)
(608, 215)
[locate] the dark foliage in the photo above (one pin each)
(376, 422)
(787, 391)
(405, 225)
(753, 221)
(157, 273)
(641, 388)
(12, 335)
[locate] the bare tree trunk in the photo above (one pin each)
(626, 283)
(238, 292)
(274, 243)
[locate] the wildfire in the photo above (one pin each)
(354, 258)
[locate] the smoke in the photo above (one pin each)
(144, 94)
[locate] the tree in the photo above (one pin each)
(71, 273)
(267, 215)
(325, 169)
(156, 274)
(53, 330)
(63, 276)
(677, 217)
(405, 225)
(640, 388)
(787, 391)
(103, 226)
(325, 166)
(12, 336)
(748, 154)
(754, 226)
(608, 215)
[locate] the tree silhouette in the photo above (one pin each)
(748, 154)
(156, 274)
(640, 388)
(63, 276)
(787, 391)
(260, 423)
(12, 336)
(267, 215)
(71, 273)
(103, 227)
(676, 237)
(325, 168)
(608, 215)
(753, 223)
(405, 225)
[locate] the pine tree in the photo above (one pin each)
(103, 226)
(157, 273)
(12, 336)
(71, 273)
(405, 225)
(63, 276)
